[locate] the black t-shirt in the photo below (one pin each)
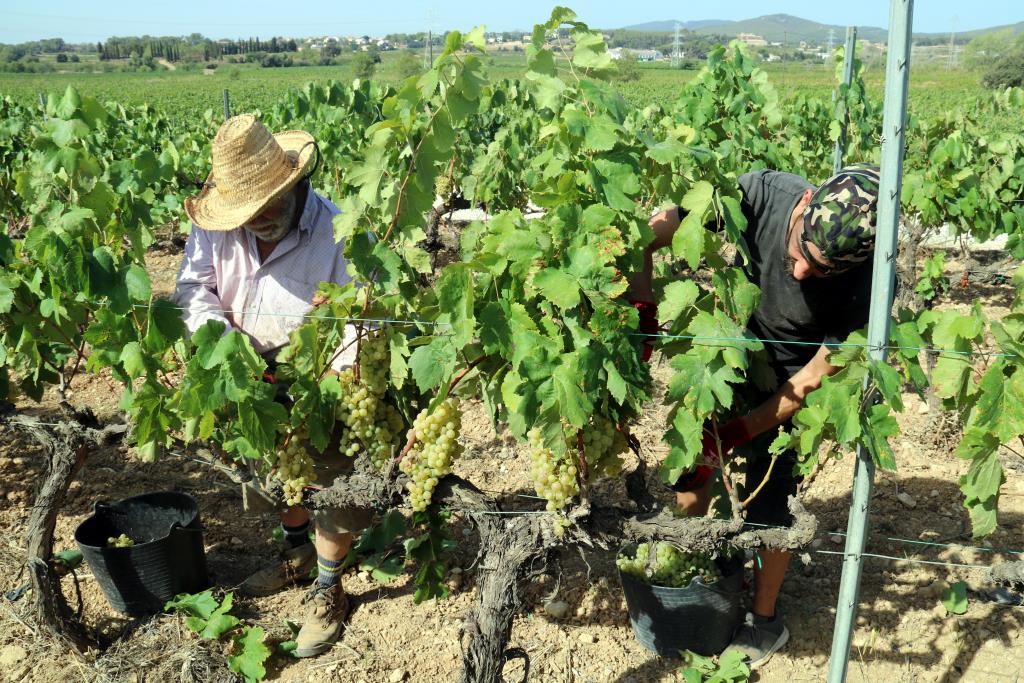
(814, 310)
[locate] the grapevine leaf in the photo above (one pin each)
(1000, 406)
(383, 568)
(702, 384)
(688, 241)
(1008, 332)
(258, 419)
(888, 382)
(679, 296)
(684, 439)
(951, 376)
(590, 51)
(601, 135)
(954, 598)
(735, 223)
(781, 443)
(981, 492)
(164, 326)
(380, 536)
(615, 181)
(455, 300)
(616, 384)
(249, 662)
(698, 198)
(398, 346)
(737, 294)
(288, 647)
(547, 89)
(573, 403)
(133, 359)
(199, 605)
(495, 329)
(558, 286)
(220, 622)
(880, 426)
(6, 295)
(432, 363)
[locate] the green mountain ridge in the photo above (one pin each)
(790, 29)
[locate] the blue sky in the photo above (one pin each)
(79, 21)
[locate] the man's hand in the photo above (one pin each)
(319, 299)
(664, 224)
(730, 435)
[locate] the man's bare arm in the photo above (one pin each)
(784, 403)
(664, 224)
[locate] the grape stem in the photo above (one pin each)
(582, 472)
(360, 333)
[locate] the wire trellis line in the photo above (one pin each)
(953, 546)
(902, 559)
(697, 338)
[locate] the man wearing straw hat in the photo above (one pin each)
(810, 254)
(261, 244)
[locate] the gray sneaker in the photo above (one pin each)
(759, 641)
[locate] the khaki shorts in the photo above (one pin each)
(329, 466)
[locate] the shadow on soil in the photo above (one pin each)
(808, 598)
(888, 590)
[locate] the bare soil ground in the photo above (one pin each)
(903, 633)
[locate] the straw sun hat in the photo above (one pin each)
(251, 170)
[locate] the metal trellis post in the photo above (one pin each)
(227, 105)
(848, 58)
(894, 118)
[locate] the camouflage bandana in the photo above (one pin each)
(840, 220)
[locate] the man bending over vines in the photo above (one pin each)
(810, 254)
(262, 241)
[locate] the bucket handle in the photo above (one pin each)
(716, 589)
(178, 526)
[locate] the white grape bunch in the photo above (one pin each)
(431, 455)
(603, 444)
(554, 477)
(294, 468)
(672, 567)
(122, 541)
(374, 363)
(369, 424)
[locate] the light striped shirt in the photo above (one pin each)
(222, 278)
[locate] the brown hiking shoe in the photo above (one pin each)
(294, 567)
(324, 621)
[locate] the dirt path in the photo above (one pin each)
(167, 65)
(903, 633)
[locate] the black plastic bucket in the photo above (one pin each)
(167, 558)
(700, 617)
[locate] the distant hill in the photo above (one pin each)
(790, 29)
(670, 26)
(1016, 28)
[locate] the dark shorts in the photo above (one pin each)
(770, 506)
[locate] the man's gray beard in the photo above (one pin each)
(274, 233)
(281, 227)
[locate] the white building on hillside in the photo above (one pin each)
(752, 39)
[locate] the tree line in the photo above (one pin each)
(191, 48)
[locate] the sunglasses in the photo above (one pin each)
(821, 268)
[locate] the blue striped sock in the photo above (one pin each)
(328, 571)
